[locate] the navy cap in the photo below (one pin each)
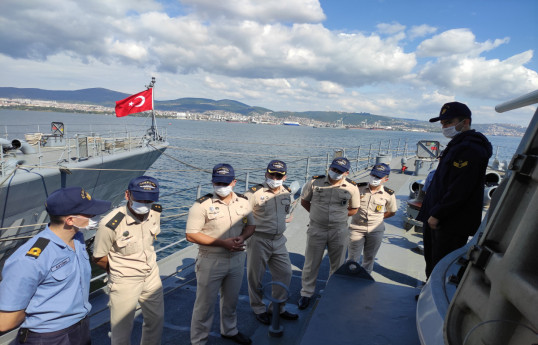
(341, 164)
(452, 110)
(276, 166)
(380, 170)
(223, 173)
(144, 188)
(74, 200)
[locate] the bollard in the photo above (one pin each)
(275, 329)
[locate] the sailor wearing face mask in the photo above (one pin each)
(367, 226)
(46, 282)
(330, 201)
(219, 223)
(124, 248)
(452, 208)
(271, 202)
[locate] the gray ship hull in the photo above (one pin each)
(23, 194)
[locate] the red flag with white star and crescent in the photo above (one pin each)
(142, 101)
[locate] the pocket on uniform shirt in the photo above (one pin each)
(128, 247)
(62, 268)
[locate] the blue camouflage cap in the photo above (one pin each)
(144, 188)
(74, 200)
(341, 164)
(223, 173)
(380, 170)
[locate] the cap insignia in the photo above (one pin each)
(222, 171)
(147, 185)
(340, 162)
(84, 194)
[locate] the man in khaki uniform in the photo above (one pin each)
(124, 248)
(270, 202)
(330, 201)
(367, 226)
(219, 224)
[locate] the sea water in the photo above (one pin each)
(196, 146)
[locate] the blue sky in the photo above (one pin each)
(387, 57)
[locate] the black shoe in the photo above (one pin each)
(239, 338)
(286, 315)
(304, 302)
(264, 318)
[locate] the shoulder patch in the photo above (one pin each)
(241, 196)
(351, 181)
(157, 208)
(38, 247)
(362, 184)
(287, 188)
(204, 198)
(255, 188)
(115, 221)
(388, 190)
(318, 176)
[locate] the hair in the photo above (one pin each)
(56, 220)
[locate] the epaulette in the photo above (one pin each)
(115, 221)
(157, 208)
(38, 247)
(351, 181)
(241, 196)
(204, 198)
(362, 184)
(388, 190)
(318, 176)
(287, 188)
(255, 188)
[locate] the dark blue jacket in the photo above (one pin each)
(455, 195)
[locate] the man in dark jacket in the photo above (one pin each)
(452, 208)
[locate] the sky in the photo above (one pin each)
(385, 57)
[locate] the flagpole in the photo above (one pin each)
(153, 121)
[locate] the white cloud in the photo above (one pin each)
(421, 31)
(456, 41)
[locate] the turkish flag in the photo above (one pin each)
(135, 104)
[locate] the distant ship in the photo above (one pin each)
(31, 169)
(291, 123)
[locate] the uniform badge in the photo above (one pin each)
(211, 209)
(126, 233)
(460, 164)
(379, 208)
(343, 202)
(244, 220)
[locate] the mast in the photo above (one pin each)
(153, 122)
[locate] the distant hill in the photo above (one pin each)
(108, 98)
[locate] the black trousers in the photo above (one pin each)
(438, 243)
(77, 334)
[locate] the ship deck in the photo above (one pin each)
(354, 316)
(345, 310)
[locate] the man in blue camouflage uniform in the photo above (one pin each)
(452, 208)
(46, 282)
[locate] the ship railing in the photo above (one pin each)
(81, 146)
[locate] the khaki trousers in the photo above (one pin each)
(370, 242)
(124, 295)
(263, 252)
(318, 238)
(216, 273)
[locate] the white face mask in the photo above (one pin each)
(335, 176)
(222, 191)
(374, 181)
(92, 224)
(273, 183)
(139, 207)
(451, 132)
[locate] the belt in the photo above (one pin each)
(227, 254)
(25, 332)
(268, 236)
